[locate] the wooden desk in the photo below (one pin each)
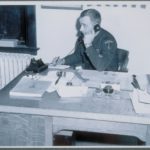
(33, 123)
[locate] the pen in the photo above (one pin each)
(56, 61)
(57, 80)
(136, 82)
(134, 85)
(59, 76)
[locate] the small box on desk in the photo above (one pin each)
(8, 42)
(115, 86)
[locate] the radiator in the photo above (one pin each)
(11, 65)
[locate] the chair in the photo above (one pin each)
(123, 59)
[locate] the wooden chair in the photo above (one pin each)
(123, 59)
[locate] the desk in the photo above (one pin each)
(37, 121)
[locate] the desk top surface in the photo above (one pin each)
(117, 103)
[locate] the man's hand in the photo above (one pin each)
(88, 38)
(58, 61)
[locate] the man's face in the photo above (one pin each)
(86, 25)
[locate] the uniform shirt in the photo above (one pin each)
(101, 55)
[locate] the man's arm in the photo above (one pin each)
(71, 60)
(75, 58)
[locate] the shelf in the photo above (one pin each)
(26, 50)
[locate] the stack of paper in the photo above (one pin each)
(29, 88)
(141, 101)
(58, 66)
(143, 97)
(8, 42)
(72, 91)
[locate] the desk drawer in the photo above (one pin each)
(137, 130)
(25, 130)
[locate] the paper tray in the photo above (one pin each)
(72, 91)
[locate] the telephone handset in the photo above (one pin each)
(81, 35)
(96, 29)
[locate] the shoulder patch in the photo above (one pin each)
(109, 44)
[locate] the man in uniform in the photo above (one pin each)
(96, 48)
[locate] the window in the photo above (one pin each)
(18, 22)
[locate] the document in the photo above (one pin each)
(29, 88)
(140, 101)
(144, 97)
(72, 91)
(58, 66)
(56, 80)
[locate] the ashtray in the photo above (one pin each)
(108, 89)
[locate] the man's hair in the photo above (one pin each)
(94, 15)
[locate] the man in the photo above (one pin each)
(96, 49)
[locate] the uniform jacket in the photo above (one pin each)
(102, 55)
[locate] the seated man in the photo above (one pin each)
(95, 49)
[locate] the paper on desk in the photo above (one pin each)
(137, 101)
(72, 91)
(144, 97)
(28, 87)
(58, 66)
(52, 76)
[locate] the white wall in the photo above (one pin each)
(56, 32)
(130, 25)
(131, 28)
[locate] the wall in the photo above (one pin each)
(56, 32)
(127, 21)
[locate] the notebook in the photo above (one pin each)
(140, 105)
(29, 88)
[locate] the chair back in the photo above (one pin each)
(123, 59)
